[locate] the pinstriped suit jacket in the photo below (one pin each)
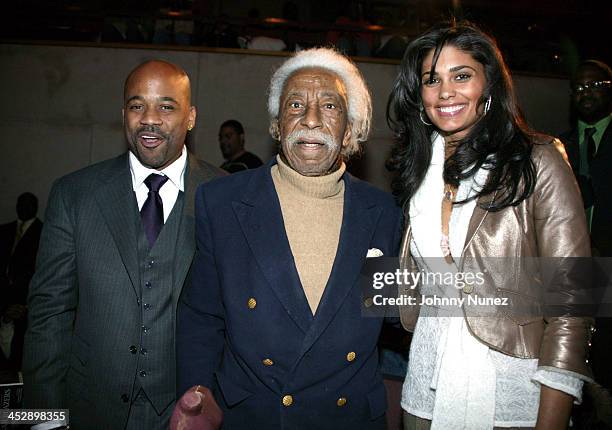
(83, 308)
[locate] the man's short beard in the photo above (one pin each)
(153, 160)
(150, 129)
(315, 135)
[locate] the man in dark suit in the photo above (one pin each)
(18, 247)
(272, 320)
(115, 251)
(589, 148)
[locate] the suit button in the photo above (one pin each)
(287, 400)
(267, 362)
(133, 349)
(138, 302)
(125, 398)
(341, 401)
(144, 351)
(350, 356)
(148, 284)
(252, 303)
(468, 288)
(145, 329)
(146, 306)
(142, 373)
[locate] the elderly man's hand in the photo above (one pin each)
(196, 410)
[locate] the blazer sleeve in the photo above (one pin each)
(52, 305)
(561, 232)
(200, 319)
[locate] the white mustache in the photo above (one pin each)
(319, 136)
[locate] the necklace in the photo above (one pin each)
(449, 192)
(448, 196)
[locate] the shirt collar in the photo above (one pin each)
(24, 225)
(599, 126)
(175, 171)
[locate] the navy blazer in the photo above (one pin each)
(244, 325)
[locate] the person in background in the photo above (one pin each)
(478, 186)
(115, 252)
(18, 247)
(589, 148)
(231, 142)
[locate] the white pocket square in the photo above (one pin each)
(374, 252)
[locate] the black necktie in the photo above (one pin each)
(590, 143)
(152, 212)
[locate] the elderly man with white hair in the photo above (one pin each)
(272, 322)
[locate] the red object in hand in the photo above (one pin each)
(196, 410)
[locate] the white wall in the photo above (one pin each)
(61, 109)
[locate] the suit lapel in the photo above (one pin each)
(605, 144)
(117, 204)
(478, 217)
(260, 218)
(185, 241)
(359, 221)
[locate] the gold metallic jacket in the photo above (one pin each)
(550, 223)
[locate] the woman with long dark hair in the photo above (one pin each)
(477, 184)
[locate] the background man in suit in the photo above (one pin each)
(18, 247)
(589, 149)
(273, 318)
(116, 248)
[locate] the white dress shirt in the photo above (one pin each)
(169, 191)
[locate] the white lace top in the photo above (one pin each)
(453, 379)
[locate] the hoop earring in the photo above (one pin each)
(421, 118)
(487, 106)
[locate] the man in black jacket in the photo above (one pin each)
(18, 247)
(231, 143)
(589, 148)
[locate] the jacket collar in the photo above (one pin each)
(119, 208)
(259, 214)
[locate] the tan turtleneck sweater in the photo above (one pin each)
(312, 210)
